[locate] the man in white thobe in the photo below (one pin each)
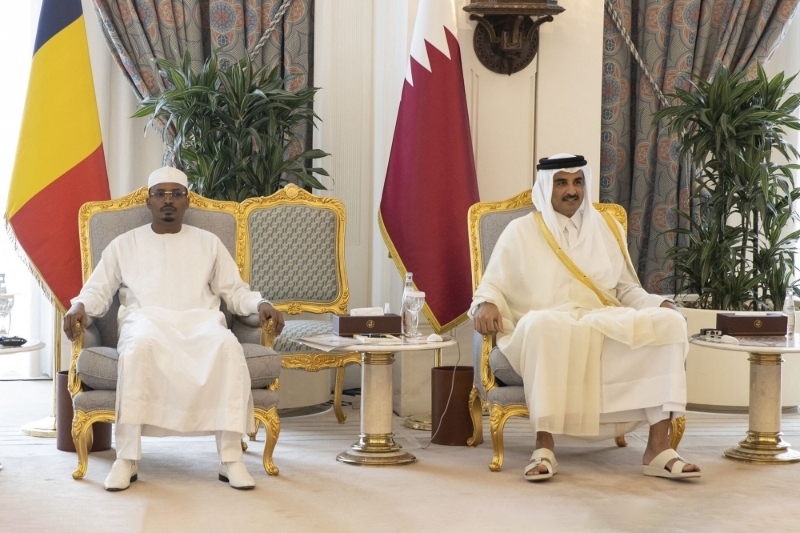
(598, 355)
(181, 370)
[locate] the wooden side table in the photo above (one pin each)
(764, 443)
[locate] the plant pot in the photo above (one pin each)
(720, 380)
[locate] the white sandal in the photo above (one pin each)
(658, 466)
(545, 457)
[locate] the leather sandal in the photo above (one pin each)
(545, 457)
(658, 466)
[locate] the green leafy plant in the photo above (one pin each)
(738, 252)
(232, 130)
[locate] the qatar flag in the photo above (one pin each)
(430, 181)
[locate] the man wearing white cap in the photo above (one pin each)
(598, 355)
(181, 371)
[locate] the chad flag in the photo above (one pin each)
(60, 163)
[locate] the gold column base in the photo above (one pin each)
(44, 428)
(763, 448)
(376, 450)
(419, 422)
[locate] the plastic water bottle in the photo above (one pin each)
(409, 287)
(788, 308)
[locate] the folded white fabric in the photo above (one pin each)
(367, 311)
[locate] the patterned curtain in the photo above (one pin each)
(137, 31)
(639, 166)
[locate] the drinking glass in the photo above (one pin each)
(6, 303)
(413, 302)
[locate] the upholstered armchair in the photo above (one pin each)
(294, 255)
(497, 386)
(93, 367)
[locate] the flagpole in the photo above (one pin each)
(46, 427)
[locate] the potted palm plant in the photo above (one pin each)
(736, 251)
(233, 130)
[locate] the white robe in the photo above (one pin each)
(577, 358)
(181, 370)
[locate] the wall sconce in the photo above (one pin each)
(506, 38)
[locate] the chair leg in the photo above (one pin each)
(497, 421)
(244, 446)
(621, 442)
(678, 427)
(83, 437)
(81, 429)
(476, 412)
(272, 425)
(337, 395)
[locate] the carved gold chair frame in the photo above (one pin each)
(294, 195)
(82, 421)
(498, 414)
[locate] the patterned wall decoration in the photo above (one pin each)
(639, 166)
(137, 31)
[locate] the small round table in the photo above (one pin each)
(376, 445)
(27, 347)
(763, 444)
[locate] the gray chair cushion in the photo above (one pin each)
(502, 368)
(264, 365)
(95, 400)
(477, 341)
(97, 367)
(506, 396)
(286, 343)
(265, 398)
(491, 225)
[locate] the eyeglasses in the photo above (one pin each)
(177, 194)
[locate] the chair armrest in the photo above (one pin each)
(91, 337)
(248, 329)
(487, 376)
(252, 320)
(88, 338)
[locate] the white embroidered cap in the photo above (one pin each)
(167, 175)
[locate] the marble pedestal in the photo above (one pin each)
(376, 445)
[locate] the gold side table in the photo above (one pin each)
(764, 443)
(376, 445)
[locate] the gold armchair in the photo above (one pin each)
(505, 398)
(93, 366)
(294, 254)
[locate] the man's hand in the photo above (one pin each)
(488, 319)
(75, 321)
(267, 312)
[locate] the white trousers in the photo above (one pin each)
(647, 384)
(128, 439)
